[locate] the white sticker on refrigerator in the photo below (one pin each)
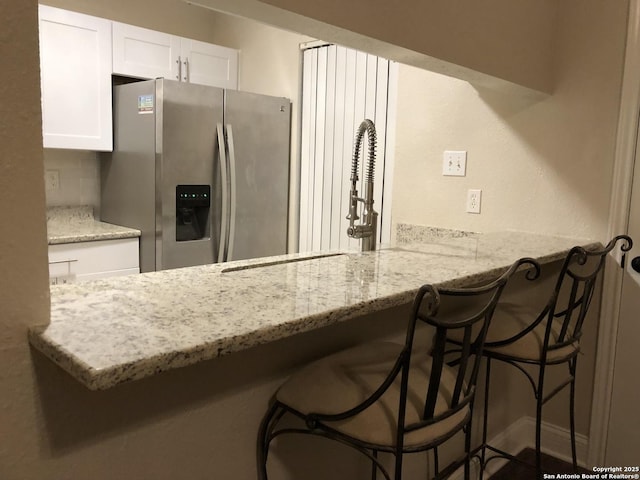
(145, 104)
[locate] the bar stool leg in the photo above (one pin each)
(539, 403)
(467, 448)
(436, 467)
(572, 423)
(398, 467)
(485, 419)
(263, 441)
(374, 469)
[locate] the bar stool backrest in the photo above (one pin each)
(570, 301)
(473, 307)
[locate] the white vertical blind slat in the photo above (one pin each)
(338, 211)
(382, 78)
(329, 119)
(392, 98)
(312, 146)
(308, 97)
(359, 111)
(347, 143)
(318, 160)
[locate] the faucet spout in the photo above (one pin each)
(368, 230)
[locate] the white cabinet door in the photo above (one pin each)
(75, 65)
(208, 64)
(140, 52)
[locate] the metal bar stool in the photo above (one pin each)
(387, 397)
(520, 335)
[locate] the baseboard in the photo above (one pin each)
(522, 434)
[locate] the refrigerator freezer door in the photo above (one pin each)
(186, 155)
(260, 132)
(128, 174)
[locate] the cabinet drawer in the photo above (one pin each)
(90, 260)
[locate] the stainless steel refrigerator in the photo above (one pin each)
(202, 172)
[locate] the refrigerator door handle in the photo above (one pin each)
(224, 210)
(232, 192)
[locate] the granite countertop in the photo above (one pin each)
(77, 224)
(115, 330)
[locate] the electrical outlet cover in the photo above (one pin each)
(474, 199)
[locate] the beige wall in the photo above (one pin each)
(543, 166)
(24, 293)
(442, 36)
(200, 422)
(458, 32)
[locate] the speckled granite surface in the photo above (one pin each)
(77, 224)
(410, 233)
(115, 330)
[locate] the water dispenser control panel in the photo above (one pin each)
(193, 203)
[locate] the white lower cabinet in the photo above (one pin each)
(77, 262)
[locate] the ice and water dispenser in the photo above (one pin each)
(193, 203)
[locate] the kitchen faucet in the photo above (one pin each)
(368, 230)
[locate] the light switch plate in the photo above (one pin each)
(454, 163)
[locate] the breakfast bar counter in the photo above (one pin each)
(116, 330)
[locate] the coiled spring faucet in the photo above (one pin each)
(368, 230)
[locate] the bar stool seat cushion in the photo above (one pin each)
(341, 381)
(510, 319)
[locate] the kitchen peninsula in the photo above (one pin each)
(112, 331)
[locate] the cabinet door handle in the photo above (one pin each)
(179, 62)
(635, 264)
(186, 70)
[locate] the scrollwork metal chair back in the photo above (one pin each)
(569, 303)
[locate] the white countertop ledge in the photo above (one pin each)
(120, 329)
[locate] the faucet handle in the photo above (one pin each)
(352, 216)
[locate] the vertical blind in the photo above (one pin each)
(340, 88)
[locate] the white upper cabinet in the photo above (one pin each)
(144, 53)
(209, 64)
(75, 69)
